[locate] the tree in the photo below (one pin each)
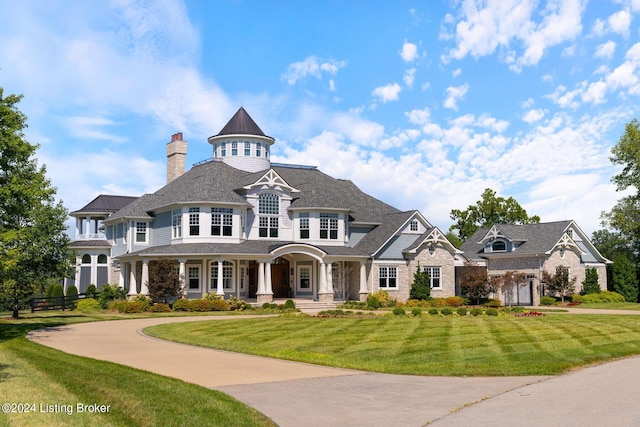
(487, 212)
(509, 284)
(33, 239)
(475, 282)
(559, 282)
(164, 282)
(342, 274)
(623, 278)
(590, 284)
(421, 286)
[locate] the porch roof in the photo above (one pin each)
(248, 247)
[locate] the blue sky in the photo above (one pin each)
(421, 103)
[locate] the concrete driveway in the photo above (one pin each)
(299, 394)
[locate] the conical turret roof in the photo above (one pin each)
(241, 124)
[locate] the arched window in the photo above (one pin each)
(102, 259)
(86, 259)
(499, 246)
(268, 213)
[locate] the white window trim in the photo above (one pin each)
(298, 281)
(213, 283)
(146, 233)
(188, 284)
(430, 269)
(388, 269)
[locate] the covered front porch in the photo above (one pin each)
(287, 271)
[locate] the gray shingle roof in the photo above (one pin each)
(536, 238)
(389, 225)
(106, 204)
(90, 244)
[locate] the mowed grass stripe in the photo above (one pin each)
(426, 345)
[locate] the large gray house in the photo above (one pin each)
(243, 226)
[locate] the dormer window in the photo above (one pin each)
(499, 246)
(414, 225)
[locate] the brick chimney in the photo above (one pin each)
(176, 157)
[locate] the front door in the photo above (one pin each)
(280, 279)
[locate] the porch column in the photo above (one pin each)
(329, 278)
(181, 276)
(265, 293)
(219, 284)
(144, 280)
(363, 293)
(323, 293)
(122, 278)
(133, 291)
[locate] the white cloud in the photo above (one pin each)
(456, 72)
(534, 115)
(620, 22)
(409, 77)
(311, 66)
(409, 52)
(419, 117)
(455, 94)
(388, 93)
(606, 50)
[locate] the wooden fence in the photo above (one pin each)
(58, 303)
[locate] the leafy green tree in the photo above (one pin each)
(164, 282)
(559, 282)
(623, 278)
(611, 243)
(475, 282)
(486, 212)
(33, 239)
(590, 284)
(421, 286)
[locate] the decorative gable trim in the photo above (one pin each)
(434, 238)
(272, 179)
(493, 233)
(565, 243)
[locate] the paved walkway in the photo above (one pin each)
(299, 394)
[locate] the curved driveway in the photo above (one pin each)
(299, 394)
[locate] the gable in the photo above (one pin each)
(272, 179)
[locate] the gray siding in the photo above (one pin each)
(356, 234)
(161, 234)
(393, 249)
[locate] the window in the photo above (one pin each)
(498, 246)
(227, 276)
(194, 221)
(86, 259)
(413, 226)
(221, 221)
(247, 148)
(215, 150)
(388, 277)
(570, 233)
(223, 149)
(434, 276)
(304, 225)
(329, 226)
(176, 223)
(269, 211)
(234, 148)
(141, 232)
(304, 277)
(194, 277)
(258, 149)
(102, 259)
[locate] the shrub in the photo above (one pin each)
(491, 312)
(547, 300)
(421, 286)
(160, 308)
(88, 305)
(269, 306)
(438, 302)
(138, 304)
(384, 299)
(597, 298)
(433, 311)
(219, 305)
(72, 291)
(201, 305)
(182, 304)
(236, 304)
(55, 290)
(119, 305)
(476, 311)
(454, 301)
(373, 302)
(462, 311)
(72, 296)
(289, 304)
(110, 293)
(446, 311)
(91, 291)
(416, 312)
(495, 303)
(399, 311)
(212, 296)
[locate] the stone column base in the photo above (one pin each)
(325, 297)
(262, 298)
(363, 296)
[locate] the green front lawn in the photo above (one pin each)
(426, 345)
(51, 382)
